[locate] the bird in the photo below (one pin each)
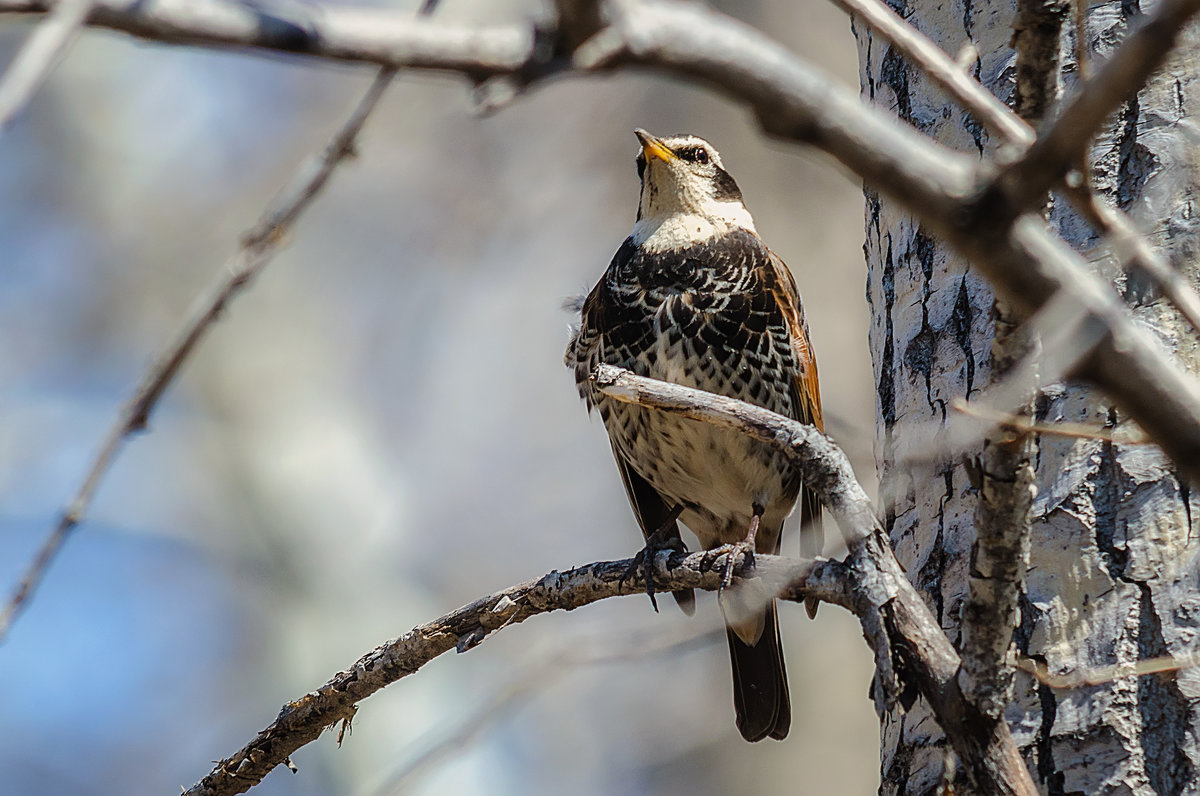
(695, 297)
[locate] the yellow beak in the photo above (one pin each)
(653, 148)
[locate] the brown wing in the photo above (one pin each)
(807, 389)
(807, 395)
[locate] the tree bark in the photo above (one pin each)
(1111, 577)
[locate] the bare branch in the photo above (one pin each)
(1106, 674)
(1018, 425)
(38, 55)
(823, 465)
(362, 35)
(1004, 499)
(1036, 34)
(259, 246)
(303, 720)
(999, 558)
(871, 584)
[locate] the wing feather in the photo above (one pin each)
(807, 400)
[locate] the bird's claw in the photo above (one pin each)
(743, 551)
(665, 538)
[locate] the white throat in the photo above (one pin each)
(681, 229)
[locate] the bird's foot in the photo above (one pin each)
(665, 538)
(743, 551)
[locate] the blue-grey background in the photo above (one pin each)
(379, 431)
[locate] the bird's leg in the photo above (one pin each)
(743, 549)
(665, 537)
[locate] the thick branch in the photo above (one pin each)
(1036, 39)
(1000, 552)
(871, 584)
(823, 465)
(386, 38)
(38, 55)
(793, 99)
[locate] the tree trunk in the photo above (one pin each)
(1112, 577)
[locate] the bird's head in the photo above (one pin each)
(683, 174)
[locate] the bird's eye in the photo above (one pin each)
(697, 154)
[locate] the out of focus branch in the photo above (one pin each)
(1134, 251)
(37, 56)
(1016, 425)
(340, 33)
(259, 246)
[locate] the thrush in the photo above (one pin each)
(693, 296)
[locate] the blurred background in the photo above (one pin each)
(379, 431)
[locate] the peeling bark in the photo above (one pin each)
(1113, 576)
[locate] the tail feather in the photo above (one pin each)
(812, 536)
(760, 690)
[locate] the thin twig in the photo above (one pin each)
(1018, 425)
(38, 55)
(259, 246)
(1105, 674)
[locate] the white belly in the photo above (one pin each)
(717, 474)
